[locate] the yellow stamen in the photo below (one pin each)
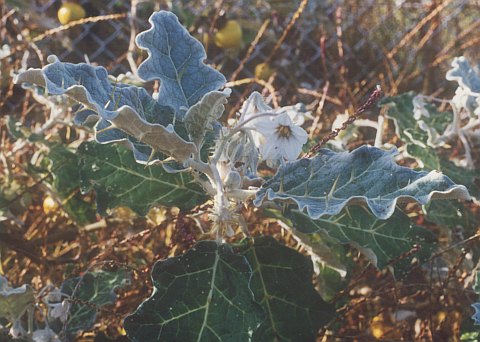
(284, 131)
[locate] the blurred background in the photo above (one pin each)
(327, 52)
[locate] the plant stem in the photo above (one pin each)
(373, 98)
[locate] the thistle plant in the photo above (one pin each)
(173, 149)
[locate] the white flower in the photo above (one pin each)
(59, 310)
(275, 132)
(298, 113)
(250, 108)
(281, 138)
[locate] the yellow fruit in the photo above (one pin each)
(70, 11)
(230, 36)
(263, 71)
(439, 317)
(49, 205)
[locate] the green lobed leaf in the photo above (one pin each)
(118, 180)
(451, 214)
(203, 295)
(88, 293)
(332, 260)
(282, 284)
(323, 249)
(388, 239)
(330, 282)
(327, 183)
(176, 59)
(66, 183)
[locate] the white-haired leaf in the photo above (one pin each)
(400, 110)
(467, 94)
(422, 131)
(465, 75)
(134, 115)
(327, 183)
(201, 117)
(176, 59)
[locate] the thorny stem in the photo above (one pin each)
(373, 98)
(216, 187)
(221, 200)
(199, 166)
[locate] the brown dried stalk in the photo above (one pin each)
(250, 50)
(292, 22)
(373, 98)
(79, 22)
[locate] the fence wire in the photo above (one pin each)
(351, 44)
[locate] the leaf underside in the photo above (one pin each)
(136, 117)
(202, 116)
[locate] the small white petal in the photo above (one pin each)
(270, 150)
(292, 151)
(300, 134)
(284, 120)
(265, 126)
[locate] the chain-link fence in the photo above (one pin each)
(351, 44)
